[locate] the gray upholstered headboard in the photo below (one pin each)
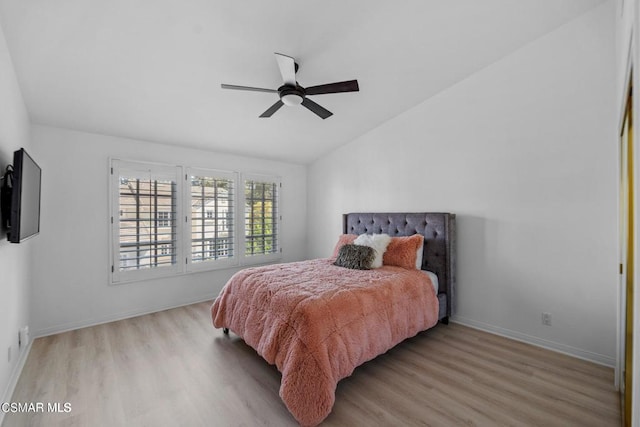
(439, 231)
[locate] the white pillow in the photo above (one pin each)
(378, 242)
(419, 254)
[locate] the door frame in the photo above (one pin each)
(631, 79)
(627, 259)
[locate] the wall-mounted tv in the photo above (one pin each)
(24, 218)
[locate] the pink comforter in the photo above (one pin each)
(317, 322)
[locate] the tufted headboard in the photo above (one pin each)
(439, 231)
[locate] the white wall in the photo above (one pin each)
(14, 259)
(524, 152)
(624, 24)
(71, 274)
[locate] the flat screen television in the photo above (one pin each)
(24, 218)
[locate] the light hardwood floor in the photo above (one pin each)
(174, 369)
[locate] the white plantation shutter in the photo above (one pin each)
(261, 216)
(212, 224)
(145, 220)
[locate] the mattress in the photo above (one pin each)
(434, 280)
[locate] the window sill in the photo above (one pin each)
(255, 261)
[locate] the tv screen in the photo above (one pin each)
(24, 221)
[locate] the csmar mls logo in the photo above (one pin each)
(15, 407)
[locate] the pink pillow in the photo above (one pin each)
(344, 239)
(402, 251)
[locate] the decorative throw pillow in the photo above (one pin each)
(403, 252)
(344, 239)
(379, 242)
(356, 257)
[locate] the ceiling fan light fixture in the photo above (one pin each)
(291, 99)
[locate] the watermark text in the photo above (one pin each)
(35, 407)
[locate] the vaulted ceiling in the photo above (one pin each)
(152, 69)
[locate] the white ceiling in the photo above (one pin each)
(152, 69)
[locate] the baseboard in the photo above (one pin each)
(15, 376)
(590, 356)
(65, 327)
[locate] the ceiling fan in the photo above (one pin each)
(291, 93)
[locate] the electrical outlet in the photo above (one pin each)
(546, 318)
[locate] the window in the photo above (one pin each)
(212, 206)
(261, 217)
(164, 219)
(219, 249)
(172, 220)
(145, 230)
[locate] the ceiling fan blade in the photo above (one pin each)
(319, 110)
(287, 67)
(275, 107)
(348, 86)
(254, 89)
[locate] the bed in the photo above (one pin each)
(317, 322)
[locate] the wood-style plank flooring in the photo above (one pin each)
(173, 368)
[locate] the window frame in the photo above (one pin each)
(259, 258)
(214, 264)
(184, 264)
